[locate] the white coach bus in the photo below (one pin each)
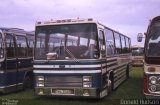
(137, 55)
(79, 58)
(152, 59)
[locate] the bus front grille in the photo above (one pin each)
(65, 81)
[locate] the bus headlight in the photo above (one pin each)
(40, 78)
(153, 80)
(87, 78)
(153, 88)
(40, 84)
(87, 84)
(40, 81)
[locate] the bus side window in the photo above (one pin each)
(123, 44)
(1, 47)
(30, 50)
(127, 45)
(21, 46)
(117, 43)
(102, 43)
(30, 45)
(109, 42)
(108, 48)
(10, 47)
(1, 41)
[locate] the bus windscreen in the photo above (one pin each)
(154, 40)
(71, 41)
(137, 51)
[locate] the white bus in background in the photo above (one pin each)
(152, 59)
(137, 55)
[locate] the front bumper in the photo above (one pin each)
(77, 92)
(152, 96)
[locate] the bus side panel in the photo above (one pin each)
(8, 82)
(13, 78)
(2, 80)
(25, 63)
(24, 66)
(11, 74)
(120, 71)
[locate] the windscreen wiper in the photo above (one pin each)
(73, 57)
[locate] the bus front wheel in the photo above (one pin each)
(28, 82)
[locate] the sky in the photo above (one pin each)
(129, 17)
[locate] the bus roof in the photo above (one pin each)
(73, 21)
(14, 30)
(157, 18)
(65, 21)
(17, 31)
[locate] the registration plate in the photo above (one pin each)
(63, 91)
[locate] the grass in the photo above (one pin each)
(130, 89)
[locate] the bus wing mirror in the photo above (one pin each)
(139, 37)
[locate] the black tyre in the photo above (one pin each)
(112, 81)
(127, 72)
(28, 82)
